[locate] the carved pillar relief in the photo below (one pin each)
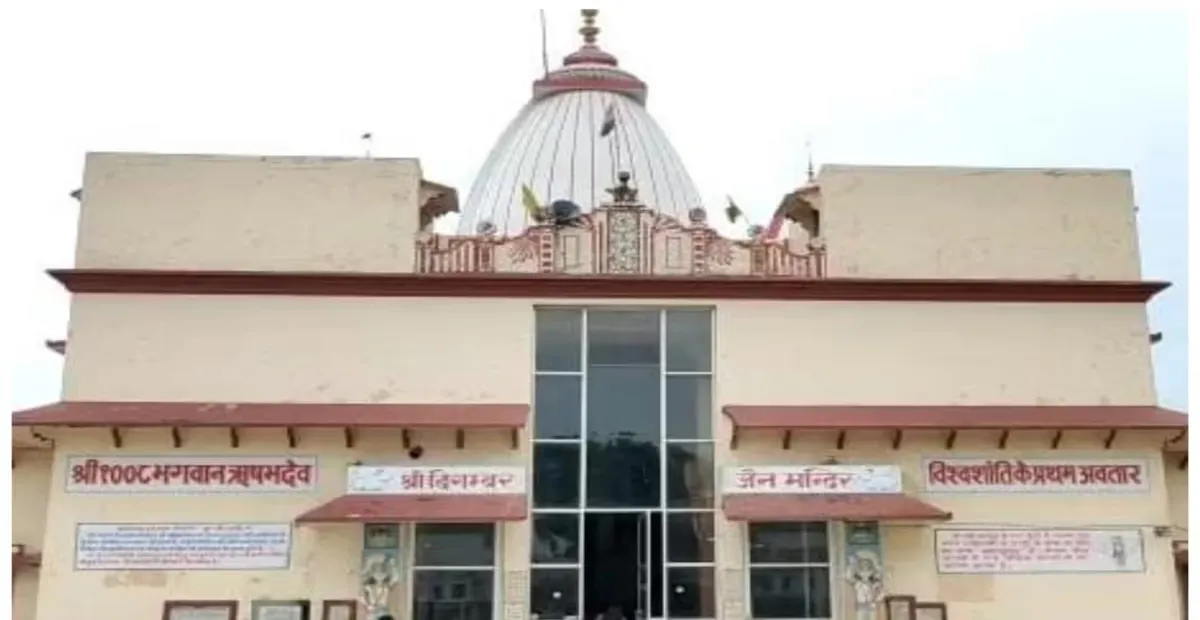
(624, 242)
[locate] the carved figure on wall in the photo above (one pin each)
(380, 575)
(865, 575)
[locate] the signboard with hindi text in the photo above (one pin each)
(983, 475)
(449, 480)
(812, 479)
(125, 475)
(183, 546)
(1029, 550)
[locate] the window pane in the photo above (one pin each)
(557, 406)
(623, 337)
(689, 339)
(555, 475)
(623, 403)
(689, 407)
(623, 473)
(455, 544)
(555, 539)
(690, 537)
(790, 593)
(691, 593)
(789, 543)
(452, 595)
(690, 475)
(554, 593)
(559, 339)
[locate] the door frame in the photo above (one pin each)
(646, 552)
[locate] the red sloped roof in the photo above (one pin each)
(830, 507)
(841, 417)
(423, 508)
(201, 414)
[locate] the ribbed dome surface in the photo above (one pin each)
(554, 146)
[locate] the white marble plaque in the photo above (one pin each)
(812, 479)
(183, 546)
(483, 480)
(991, 551)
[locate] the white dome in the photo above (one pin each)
(554, 146)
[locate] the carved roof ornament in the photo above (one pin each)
(622, 194)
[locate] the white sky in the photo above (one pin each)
(737, 92)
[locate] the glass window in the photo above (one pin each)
(689, 340)
(789, 570)
(623, 338)
(690, 537)
(556, 475)
(623, 403)
(623, 473)
(452, 594)
(554, 593)
(455, 544)
(559, 340)
(555, 539)
(441, 590)
(689, 407)
(690, 475)
(691, 593)
(557, 402)
(789, 543)
(801, 592)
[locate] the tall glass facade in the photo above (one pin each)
(623, 476)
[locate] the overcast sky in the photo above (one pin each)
(737, 92)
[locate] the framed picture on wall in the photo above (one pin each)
(931, 611)
(200, 610)
(279, 610)
(381, 536)
(900, 607)
(339, 610)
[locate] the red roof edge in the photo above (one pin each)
(995, 417)
(299, 415)
(420, 508)
(831, 507)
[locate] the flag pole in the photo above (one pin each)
(545, 54)
(367, 140)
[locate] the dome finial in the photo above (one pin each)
(589, 29)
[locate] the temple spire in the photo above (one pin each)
(589, 30)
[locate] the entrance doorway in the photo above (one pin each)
(623, 563)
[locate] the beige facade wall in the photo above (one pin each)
(265, 349)
(30, 494)
(325, 558)
(152, 211)
(273, 349)
(958, 354)
(1177, 493)
(219, 212)
(908, 550)
(927, 222)
(270, 349)
(854, 353)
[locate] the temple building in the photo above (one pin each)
(914, 393)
